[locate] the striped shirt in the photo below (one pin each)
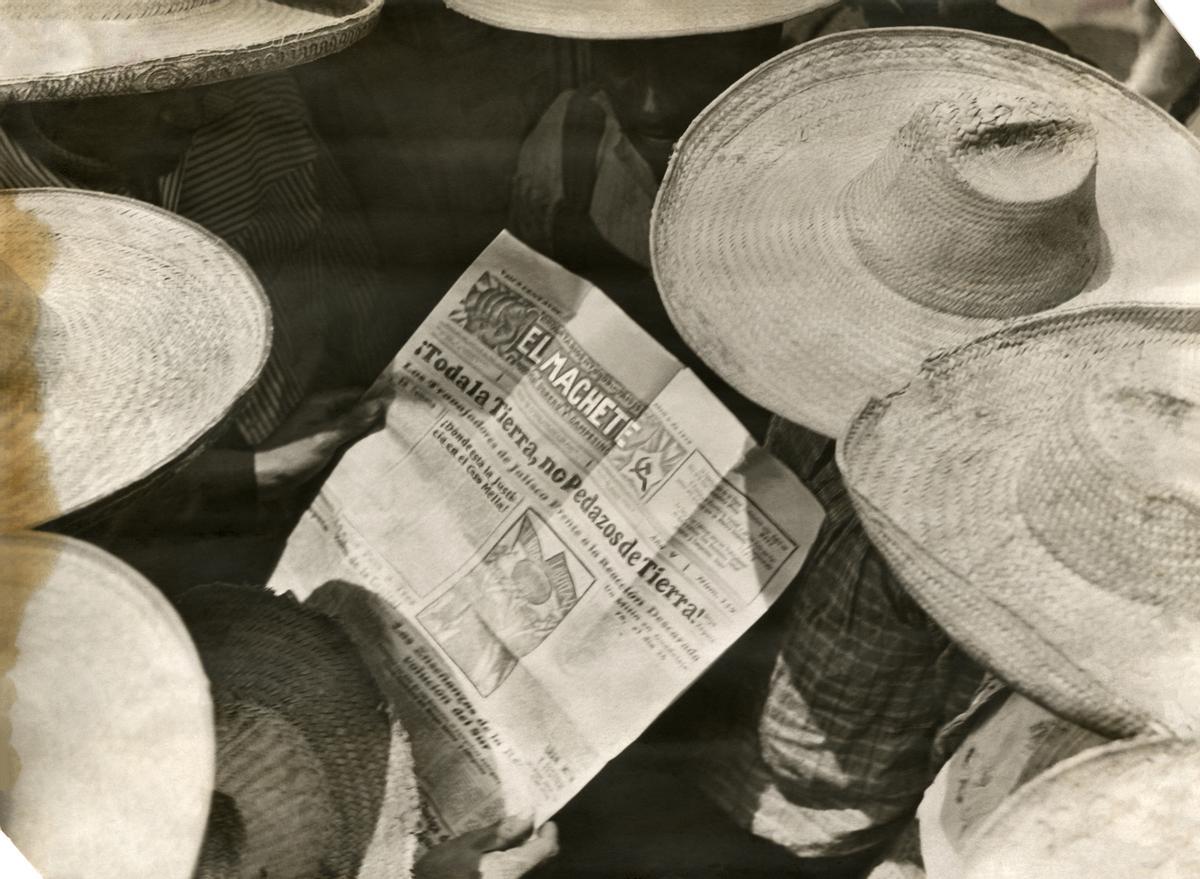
(256, 174)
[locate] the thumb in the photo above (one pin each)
(500, 835)
(518, 861)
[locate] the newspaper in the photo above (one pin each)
(558, 529)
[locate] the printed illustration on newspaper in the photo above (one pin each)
(558, 529)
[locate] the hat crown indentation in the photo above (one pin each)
(1113, 491)
(986, 210)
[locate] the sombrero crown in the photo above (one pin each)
(1006, 193)
(866, 199)
(1038, 491)
(1122, 459)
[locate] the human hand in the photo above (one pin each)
(312, 434)
(505, 850)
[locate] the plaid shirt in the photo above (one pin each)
(834, 752)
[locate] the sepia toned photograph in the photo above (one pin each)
(506, 606)
(599, 439)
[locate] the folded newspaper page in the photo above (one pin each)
(558, 529)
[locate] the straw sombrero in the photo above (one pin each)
(126, 336)
(633, 19)
(866, 199)
(53, 49)
(1038, 492)
(1130, 809)
(1012, 745)
(314, 777)
(107, 754)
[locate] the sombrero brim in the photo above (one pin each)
(759, 276)
(276, 786)
(633, 19)
(111, 717)
(275, 664)
(149, 331)
(48, 59)
(1126, 809)
(935, 472)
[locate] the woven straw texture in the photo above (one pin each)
(866, 199)
(321, 778)
(632, 19)
(52, 49)
(1017, 743)
(143, 331)
(1036, 491)
(1124, 810)
(111, 719)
